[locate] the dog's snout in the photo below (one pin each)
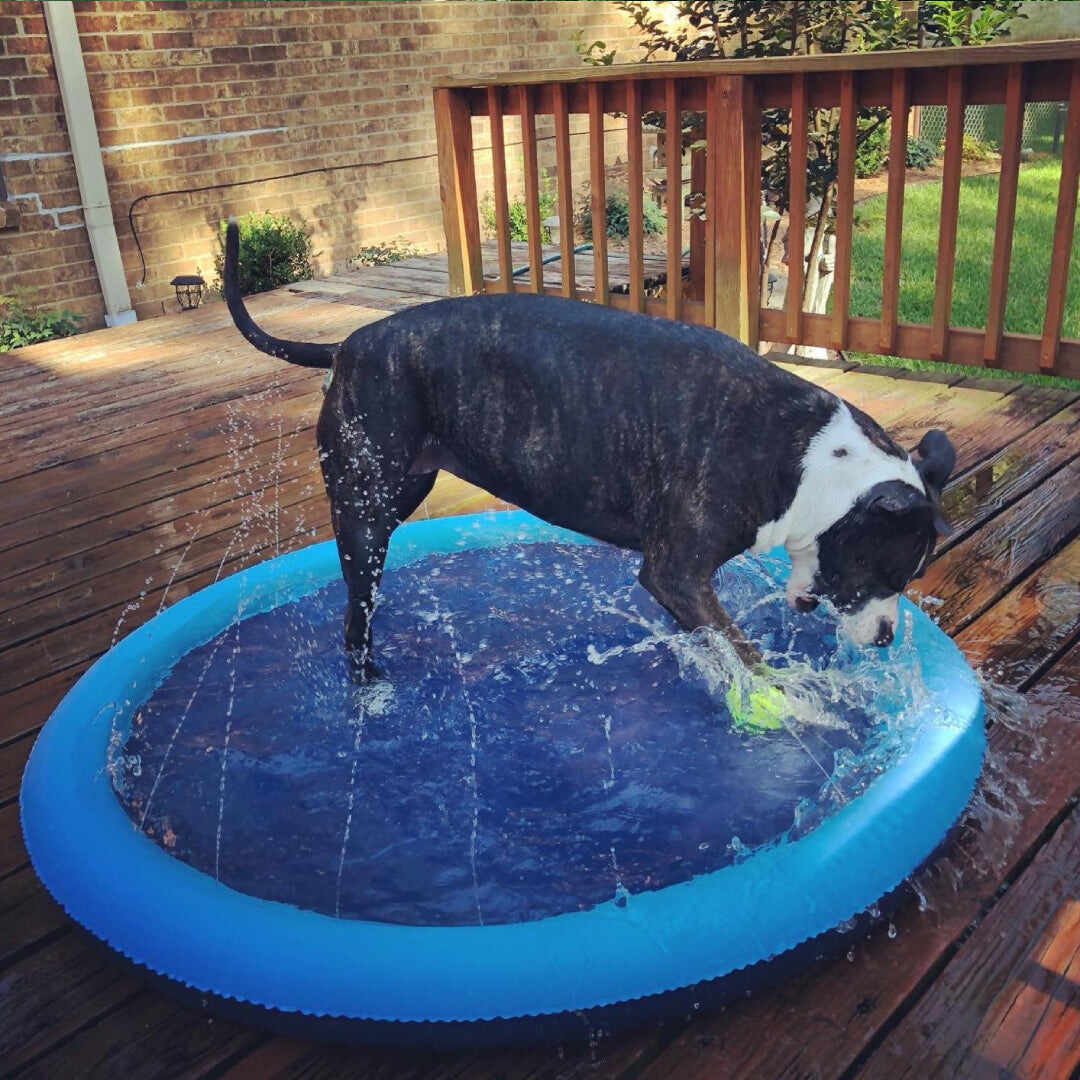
(805, 603)
(884, 635)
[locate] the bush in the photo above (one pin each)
(653, 221)
(920, 154)
(21, 324)
(975, 149)
(274, 250)
(519, 221)
(872, 150)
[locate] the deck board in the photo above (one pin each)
(1017, 988)
(140, 451)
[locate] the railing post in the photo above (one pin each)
(733, 205)
(457, 191)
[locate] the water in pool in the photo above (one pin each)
(543, 740)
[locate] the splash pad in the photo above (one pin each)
(541, 821)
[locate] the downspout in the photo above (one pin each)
(86, 150)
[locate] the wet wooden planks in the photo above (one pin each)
(1016, 987)
(110, 526)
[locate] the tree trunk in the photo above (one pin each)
(770, 243)
(810, 278)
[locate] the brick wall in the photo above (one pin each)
(191, 95)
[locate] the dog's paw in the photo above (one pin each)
(362, 668)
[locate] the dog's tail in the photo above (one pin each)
(305, 353)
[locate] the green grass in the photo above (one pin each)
(1029, 270)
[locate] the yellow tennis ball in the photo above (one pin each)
(763, 710)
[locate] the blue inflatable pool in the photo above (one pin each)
(541, 819)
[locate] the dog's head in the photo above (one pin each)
(864, 561)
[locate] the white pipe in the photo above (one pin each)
(86, 150)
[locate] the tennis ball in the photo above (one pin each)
(763, 709)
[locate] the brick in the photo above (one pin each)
(176, 76)
(90, 22)
(234, 54)
(257, 71)
(16, 45)
(13, 66)
(125, 42)
(267, 52)
(31, 24)
(34, 85)
(174, 39)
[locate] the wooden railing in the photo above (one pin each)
(732, 94)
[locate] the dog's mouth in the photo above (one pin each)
(804, 602)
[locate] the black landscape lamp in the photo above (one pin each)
(189, 290)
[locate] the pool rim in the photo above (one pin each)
(210, 938)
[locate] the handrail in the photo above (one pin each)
(722, 289)
(890, 59)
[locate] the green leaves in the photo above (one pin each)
(920, 154)
(274, 250)
(519, 225)
(714, 29)
(21, 324)
(617, 206)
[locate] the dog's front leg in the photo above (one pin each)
(691, 599)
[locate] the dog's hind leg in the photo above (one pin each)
(371, 493)
(364, 516)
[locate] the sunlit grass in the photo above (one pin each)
(1036, 207)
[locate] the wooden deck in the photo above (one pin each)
(137, 464)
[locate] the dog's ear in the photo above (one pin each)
(935, 460)
(895, 498)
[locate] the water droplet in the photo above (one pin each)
(892, 930)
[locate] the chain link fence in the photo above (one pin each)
(1044, 122)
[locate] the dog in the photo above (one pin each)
(665, 438)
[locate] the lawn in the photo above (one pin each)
(1029, 271)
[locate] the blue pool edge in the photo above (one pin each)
(179, 923)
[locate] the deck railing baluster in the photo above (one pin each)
(673, 146)
(598, 191)
(845, 209)
(1006, 212)
(796, 255)
(950, 212)
(750, 237)
(565, 188)
(499, 194)
(1063, 228)
(636, 183)
(532, 187)
(894, 208)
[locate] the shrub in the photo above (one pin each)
(653, 221)
(519, 221)
(920, 153)
(975, 149)
(872, 149)
(274, 250)
(383, 254)
(21, 324)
